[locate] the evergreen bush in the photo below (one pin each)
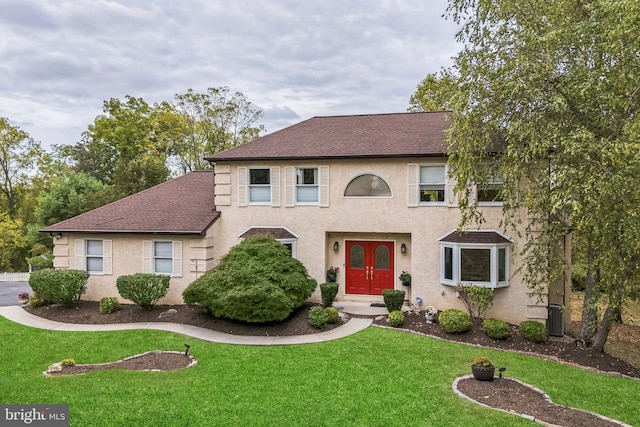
(108, 305)
(454, 321)
(144, 289)
(396, 318)
(533, 331)
(332, 315)
(257, 281)
(393, 299)
(328, 292)
(318, 317)
(496, 328)
(59, 286)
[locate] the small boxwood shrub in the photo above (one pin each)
(59, 286)
(318, 317)
(533, 331)
(496, 328)
(393, 299)
(35, 300)
(454, 321)
(108, 305)
(328, 292)
(332, 315)
(143, 289)
(396, 318)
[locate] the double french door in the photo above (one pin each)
(369, 267)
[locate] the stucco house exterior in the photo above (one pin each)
(368, 194)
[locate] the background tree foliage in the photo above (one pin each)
(559, 84)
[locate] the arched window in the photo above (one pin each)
(367, 185)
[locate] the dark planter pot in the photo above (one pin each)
(483, 373)
(406, 283)
(331, 278)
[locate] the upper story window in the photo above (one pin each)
(307, 185)
(367, 185)
(489, 193)
(476, 258)
(432, 184)
(259, 185)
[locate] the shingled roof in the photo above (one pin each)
(183, 205)
(361, 136)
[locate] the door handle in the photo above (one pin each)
(367, 270)
(371, 273)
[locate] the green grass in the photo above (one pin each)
(374, 378)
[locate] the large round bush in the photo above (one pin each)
(257, 281)
(454, 321)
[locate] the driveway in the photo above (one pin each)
(9, 292)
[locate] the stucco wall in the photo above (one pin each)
(389, 219)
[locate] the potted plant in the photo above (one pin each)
(482, 369)
(430, 313)
(332, 274)
(405, 278)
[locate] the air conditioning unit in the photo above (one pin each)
(555, 320)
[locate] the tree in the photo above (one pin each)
(12, 242)
(19, 155)
(433, 93)
(212, 122)
(69, 196)
(552, 87)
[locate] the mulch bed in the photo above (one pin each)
(500, 393)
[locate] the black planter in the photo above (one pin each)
(483, 373)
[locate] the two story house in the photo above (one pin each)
(368, 194)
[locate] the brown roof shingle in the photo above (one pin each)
(479, 236)
(360, 136)
(183, 205)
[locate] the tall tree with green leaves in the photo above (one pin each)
(212, 121)
(19, 156)
(433, 93)
(554, 87)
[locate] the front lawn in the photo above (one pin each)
(376, 377)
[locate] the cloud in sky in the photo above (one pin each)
(292, 59)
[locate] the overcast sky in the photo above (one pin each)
(59, 60)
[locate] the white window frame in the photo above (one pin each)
(292, 242)
(439, 184)
(250, 186)
(149, 257)
(82, 255)
(494, 183)
(156, 257)
(456, 265)
(302, 186)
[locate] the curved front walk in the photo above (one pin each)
(19, 315)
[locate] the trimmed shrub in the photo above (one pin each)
(65, 286)
(477, 299)
(257, 281)
(318, 317)
(496, 328)
(533, 331)
(454, 321)
(144, 289)
(396, 318)
(328, 292)
(393, 299)
(35, 300)
(332, 315)
(108, 305)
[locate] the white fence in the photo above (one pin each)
(14, 277)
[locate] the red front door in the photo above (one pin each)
(369, 267)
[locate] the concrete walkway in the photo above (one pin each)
(19, 315)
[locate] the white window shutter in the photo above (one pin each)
(323, 186)
(146, 256)
(242, 186)
(177, 258)
(449, 188)
(107, 257)
(413, 184)
(80, 254)
(275, 186)
(289, 186)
